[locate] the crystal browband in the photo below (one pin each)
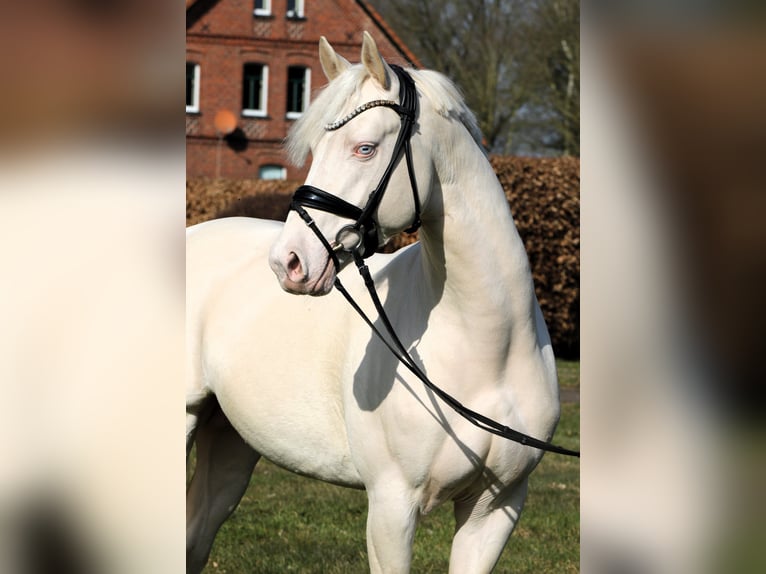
(363, 108)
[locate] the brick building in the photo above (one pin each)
(251, 67)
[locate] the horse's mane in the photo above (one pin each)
(330, 102)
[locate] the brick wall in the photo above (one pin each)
(227, 36)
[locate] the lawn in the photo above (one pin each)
(287, 523)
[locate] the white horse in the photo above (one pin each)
(304, 382)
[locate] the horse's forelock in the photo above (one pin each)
(325, 108)
(330, 102)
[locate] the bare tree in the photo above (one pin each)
(552, 73)
(506, 56)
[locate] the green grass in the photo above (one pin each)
(287, 523)
(569, 374)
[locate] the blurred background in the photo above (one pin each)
(517, 63)
(92, 213)
(673, 264)
(92, 289)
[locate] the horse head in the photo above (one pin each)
(354, 131)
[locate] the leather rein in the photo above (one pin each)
(360, 240)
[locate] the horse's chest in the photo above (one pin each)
(402, 426)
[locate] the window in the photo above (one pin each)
(298, 90)
(255, 80)
(272, 172)
(192, 87)
(295, 8)
(262, 8)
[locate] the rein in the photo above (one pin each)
(360, 239)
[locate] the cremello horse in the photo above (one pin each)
(303, 381)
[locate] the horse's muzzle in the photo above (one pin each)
(295, 276)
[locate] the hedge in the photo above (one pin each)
(544, 196)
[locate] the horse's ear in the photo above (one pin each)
(333, 64)
(374, 63)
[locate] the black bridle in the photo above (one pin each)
(362, 235)
(360, 239)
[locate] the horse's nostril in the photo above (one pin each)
(294, 268)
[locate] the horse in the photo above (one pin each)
(286, 370)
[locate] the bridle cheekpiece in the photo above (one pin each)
(360, 238)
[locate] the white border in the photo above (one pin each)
(265, 11)
(299, 11)
(282, 173)
(260, 112)
(306, 94)
(194, 108)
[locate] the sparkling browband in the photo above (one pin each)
(364, 107)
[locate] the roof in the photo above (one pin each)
(195, 9)
(370, 10)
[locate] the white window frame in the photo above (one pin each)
(306, 94)
(263, 112)
(194, 107)
(300, 10)
(265, 11)
(276, 168)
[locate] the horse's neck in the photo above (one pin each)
(474, 257)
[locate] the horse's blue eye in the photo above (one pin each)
(364, 150)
